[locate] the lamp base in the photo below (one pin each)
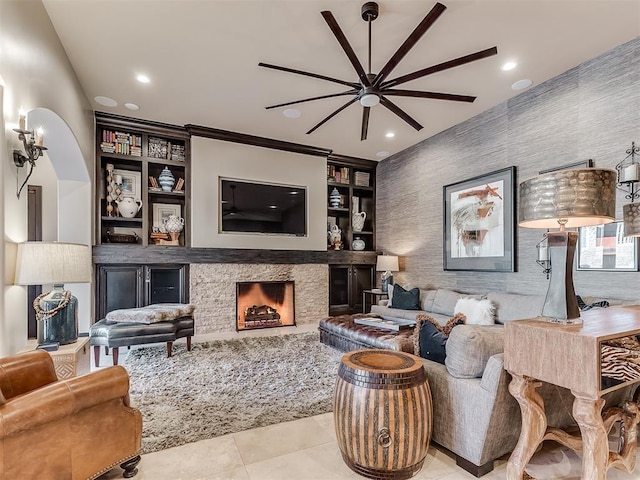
(386, 281)
(561, 304)
(62, 327)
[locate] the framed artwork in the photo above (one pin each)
(130, 183)
(479, 223)
(581, 164)
(605, 248)
(161, 212)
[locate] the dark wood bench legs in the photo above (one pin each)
(472, 468)
(170, 347)
(129, 467)
(116, 351)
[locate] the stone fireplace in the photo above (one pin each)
(212, 289)
(264, 305)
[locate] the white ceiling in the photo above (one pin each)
(202, 57)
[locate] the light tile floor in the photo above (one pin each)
(306, 449)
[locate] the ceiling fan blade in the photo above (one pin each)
(365, 123)
(472, 57)
(326, 119)
(348, 92)
(434, 95)
(309, 74)
(399, 112)
(344, 43)
(408, 44)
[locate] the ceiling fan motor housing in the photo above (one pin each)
(369, 11)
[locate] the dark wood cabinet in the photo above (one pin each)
(346, 283)
(132, 286)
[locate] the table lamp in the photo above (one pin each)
(54, 263)
(387, 264)
(566, 199)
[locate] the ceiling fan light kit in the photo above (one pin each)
(371, 89)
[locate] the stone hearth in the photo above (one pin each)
(213, 291)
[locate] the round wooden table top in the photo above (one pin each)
(381, 361)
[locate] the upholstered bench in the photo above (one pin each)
(343, 333)
(136, 326)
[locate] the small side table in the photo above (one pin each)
(374, 293)
(69, 360)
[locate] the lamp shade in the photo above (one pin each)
(387, 263)
(577, 198)
(631, 217)
(40, 263)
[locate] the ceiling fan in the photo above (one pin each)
(371, 89)
(233, 210)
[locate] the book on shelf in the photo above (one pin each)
(121, 142)
(361, 179)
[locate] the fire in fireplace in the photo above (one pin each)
(264, 304)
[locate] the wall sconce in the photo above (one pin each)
(628, 177)
(33, 143)
(543, 255)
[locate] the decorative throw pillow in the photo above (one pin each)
(478, 312)
(430, 338)
(405, 299)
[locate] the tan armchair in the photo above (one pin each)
(72, 429)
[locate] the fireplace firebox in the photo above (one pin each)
(264, 304)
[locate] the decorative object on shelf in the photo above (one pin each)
(543, 255)
(479, 223)
(568, 199)
(174, 225)
(128, 206)
(162, 212)
(357, 221)
(122, 237)
(127, 183)
(158, 148)
(358, 244)
(154, 185)
(179, 185)
(628, 178)
(33, 143)
(334, 198)
(387, 264)
(166, 180)
(39, 263)
(335, 238)
(110, 189)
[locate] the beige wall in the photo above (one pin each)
(212, 159)
(36, 74)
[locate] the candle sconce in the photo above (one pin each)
(33, 148)
(543, 255)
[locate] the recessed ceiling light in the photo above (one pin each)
(143, 78)
(293, 192)
(390, 135)
(291, 113)
(132, 106)
(520, 84)
(509, 66)
(106, 101)
(382, 154)
(273, 206)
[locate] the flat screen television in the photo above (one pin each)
(266, 208)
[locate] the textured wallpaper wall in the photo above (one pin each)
(590, 111)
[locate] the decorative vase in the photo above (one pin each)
(174, 224)
(357, 221)
(334, 198)
(357, 244)
(335, 237)
(166, 180)
(128, 206)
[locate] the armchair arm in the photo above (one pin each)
(62, 399)
(25, 372)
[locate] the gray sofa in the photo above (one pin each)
(474, 415)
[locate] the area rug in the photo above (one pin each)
(227, 386)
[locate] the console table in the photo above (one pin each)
(572, 356)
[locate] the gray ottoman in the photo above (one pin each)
(117, 334)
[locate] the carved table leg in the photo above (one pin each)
(534, 424)
(129, 467)
(595, 446)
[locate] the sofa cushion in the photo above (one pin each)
(514, 306)
(478, 312)
(431, 338)
(406, 286)
(426, 299)
(444, 301)
(405, 299)
(469, 347)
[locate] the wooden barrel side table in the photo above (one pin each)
(382, 413)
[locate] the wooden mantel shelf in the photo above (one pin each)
(155, 254)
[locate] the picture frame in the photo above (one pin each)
(131, 184)
(581, 164)
(605, 248)
(479, 223)
(161, 211)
